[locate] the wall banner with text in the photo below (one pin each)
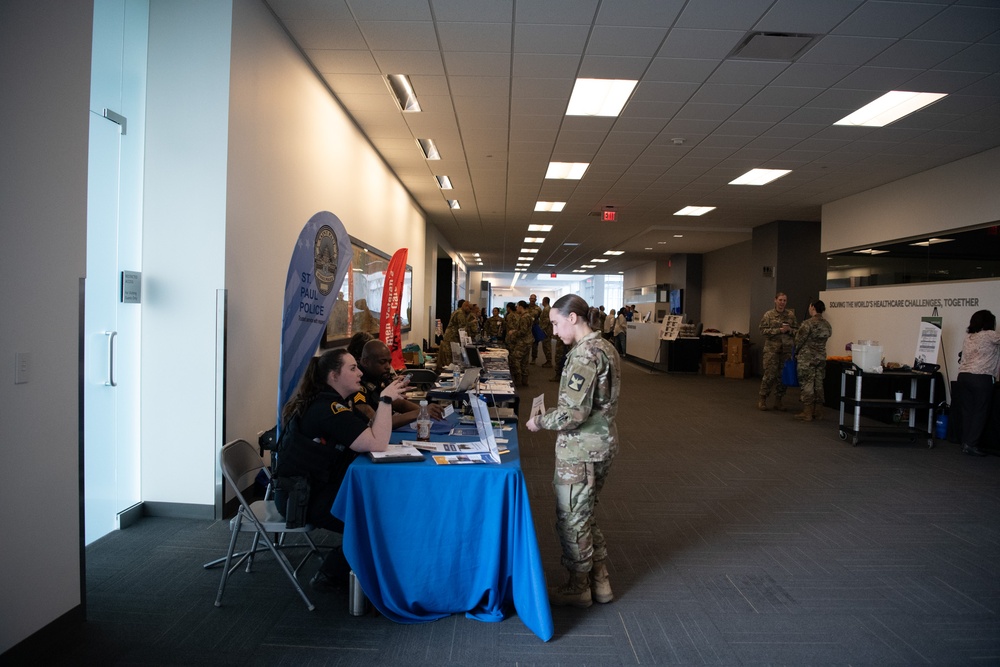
(320, 260)
(392, 295)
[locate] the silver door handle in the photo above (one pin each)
(111, 381)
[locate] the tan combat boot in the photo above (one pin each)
(762, 402)
(778, 405)
(817, 411)
(807, 413)
(574, 593)
(600, 585)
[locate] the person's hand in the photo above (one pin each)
(532, 425)
(396, 388)
(436, 411)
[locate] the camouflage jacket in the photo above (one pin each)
(494, 326)
(533, 313)
(459, 320)
(770, 327)
(810, 340)
(518, 329)
(588, 402)
(545, 322)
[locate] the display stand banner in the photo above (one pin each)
(320, 260)
(929, 340)
(392, 295)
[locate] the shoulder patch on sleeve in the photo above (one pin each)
(580, 379)
(337, 408)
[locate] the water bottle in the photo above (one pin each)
(357, 603)
(941, 426)
(423, 423)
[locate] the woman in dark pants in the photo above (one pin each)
(329, 435)
(977, 371)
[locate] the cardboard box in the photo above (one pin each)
(734, 350)
(738, 371)
(711, 364)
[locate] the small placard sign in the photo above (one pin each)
(131, 287)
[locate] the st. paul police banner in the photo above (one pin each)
(320, 260)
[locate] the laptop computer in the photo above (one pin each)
(472, 352)
(469, 380)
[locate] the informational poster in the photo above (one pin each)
(320, 260)
(671, 327)
(928, 341)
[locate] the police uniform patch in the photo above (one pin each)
(337, 408)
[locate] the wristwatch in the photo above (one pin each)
(386, 399)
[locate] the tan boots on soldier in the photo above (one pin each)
(583, 588)
(807, 413)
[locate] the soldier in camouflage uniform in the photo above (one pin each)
(585, 448)
(534, 312)
(561, 350)
(778, 328)
(546, 324)
(810, 350)
(494, 326)
(519, 340)
(458, 320)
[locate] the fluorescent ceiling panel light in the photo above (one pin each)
(661, 243)
(429, 149)
(695, 210)
(678, 236)
(614, 252)
(403, 93)
(870, 251)
(529, 250)
(571, 244)
(444, 182)
(525, 259)
(539, 228)
(578, 271)
(599, 97)
(588, 266)
(889, 108)
(549, 206)
(930, 242)
(760, 176)
(475, 254)
(573, 171)
(534, 239)
(453, 203)
(598, 260)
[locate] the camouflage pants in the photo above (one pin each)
(560, 356)
(775, 356)
(811, 376)
(546, 346)
(577, 486)
(518, 360)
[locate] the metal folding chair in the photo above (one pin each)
(241, 464)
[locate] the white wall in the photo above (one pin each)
(891, 315)
(725, 294)
(45, 78)
(293, 152)
(961, 194)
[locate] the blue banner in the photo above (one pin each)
(320, 260)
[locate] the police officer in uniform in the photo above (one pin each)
(778, 329)
(377, 373)
(586, 445)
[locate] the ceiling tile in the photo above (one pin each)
(390, 10)
(806, 16)
(700, 44)
(475, 36)
(399, 35)
(529, 38)
(473, 10)
(886, 19)
(845, 50)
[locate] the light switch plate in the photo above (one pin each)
(22, 365)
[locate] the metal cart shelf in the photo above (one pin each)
(851, 404)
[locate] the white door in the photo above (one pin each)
(111, 328)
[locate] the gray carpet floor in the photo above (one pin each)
(736, 537)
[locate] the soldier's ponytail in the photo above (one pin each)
(572, 303)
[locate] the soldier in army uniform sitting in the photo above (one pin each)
(586, 444)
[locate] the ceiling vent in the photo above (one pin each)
(782, 46)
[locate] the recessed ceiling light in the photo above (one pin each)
(571, 244)
(930, 242)
(525, 259)
(588, 266)
(578, 271)
(429, 149)
(647, 248)
(661, 243)
(870, 251)
(539, 228)
(759, 176)
(553, 206)
(534, 239)
(889, 108)
(403, 93)
(529, 250)
(453, 203)
(614, 252)
(678, 236)
(598, 260)
(695, 210)
(573, 171)
(599, 97)
(444, 182)
(475, 254)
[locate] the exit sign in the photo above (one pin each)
(609, 215)
(552, 275)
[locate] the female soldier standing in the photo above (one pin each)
(585, 447)
(810, 345)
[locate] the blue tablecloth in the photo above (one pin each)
(428, 541)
